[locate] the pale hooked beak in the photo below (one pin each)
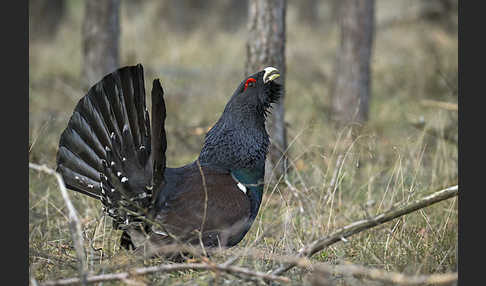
(270, 74)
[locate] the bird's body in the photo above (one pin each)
(109, 151)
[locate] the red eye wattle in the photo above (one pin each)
(250, 82)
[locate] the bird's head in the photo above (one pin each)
(239, 138)
(256, 93)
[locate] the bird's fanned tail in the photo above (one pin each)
(105, 151)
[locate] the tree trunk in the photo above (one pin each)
(101, 35)
(266, 47)
(351, 90)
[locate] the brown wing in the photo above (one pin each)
(226, 212)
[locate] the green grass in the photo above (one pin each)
(391, 161)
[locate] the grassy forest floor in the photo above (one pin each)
(407, 150)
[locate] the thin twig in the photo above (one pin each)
(205, 206)
(74, 223)
(362, 225)
(170, 268)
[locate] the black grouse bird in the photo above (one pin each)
(110, 151)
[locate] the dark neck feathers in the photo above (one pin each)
(238, 140)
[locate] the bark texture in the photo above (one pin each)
(266, 47)
(101, 35)
(351, 89)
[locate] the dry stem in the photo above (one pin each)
(74, 223)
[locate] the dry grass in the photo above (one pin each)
(390, 161)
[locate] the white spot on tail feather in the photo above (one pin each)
(124, 179)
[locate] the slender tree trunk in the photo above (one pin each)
(266, 47)
(351, 89)
(101, 35)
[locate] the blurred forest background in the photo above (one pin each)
(361, 129)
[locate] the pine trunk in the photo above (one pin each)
(266, 47)
(351, 89)
(101, 35)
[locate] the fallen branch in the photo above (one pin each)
(359, 226)
(320, 269)
(74, 223)
(325, 269)
(374, 274)
(170, 268)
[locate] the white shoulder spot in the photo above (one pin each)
(241, 187)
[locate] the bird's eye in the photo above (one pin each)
(250, 83)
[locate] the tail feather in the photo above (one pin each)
(159, 141)
(105, 151)
(92, 121)
(86, 131)
(78, 182)
(77, 164)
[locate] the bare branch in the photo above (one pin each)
(325, 269)
(170, 268)
(361, 225)
(74, 223)
(384, 276)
